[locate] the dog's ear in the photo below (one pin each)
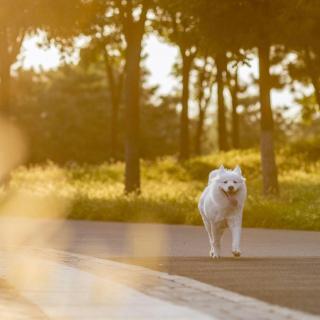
(212, 175)
(221, 169)
(215, 173)
(237, 170)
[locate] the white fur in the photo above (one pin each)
(221, 205)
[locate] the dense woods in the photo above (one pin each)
(103, 108)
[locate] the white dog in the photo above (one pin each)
(221, 205)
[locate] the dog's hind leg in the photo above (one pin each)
(216, 234)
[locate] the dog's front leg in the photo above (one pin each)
(216, 234)
(236, 236)
(234, 224)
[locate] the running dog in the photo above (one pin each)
(221, 205)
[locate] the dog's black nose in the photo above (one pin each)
(230, 188)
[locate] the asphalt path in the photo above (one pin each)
(289, 282)
(111, 239)
(277, 266)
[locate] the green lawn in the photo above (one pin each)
(169, 191)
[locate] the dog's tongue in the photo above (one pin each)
(233, 201)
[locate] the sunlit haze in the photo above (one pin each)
(159, 61)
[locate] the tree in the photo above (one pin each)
(221, 62)
(133, 28)
(187, 59)
(219, 32)
(305, 70)
(306, 45)
(66, 119)
(129, 18)
(108, 48)
(64, 114)
(115, 72)
(267, 37)
(204, 84)
(269, 169)
(312, 63)
(8, 52)
(21, 17)
(180, 29)
(234, 88)
(13, 29)
(237, 25)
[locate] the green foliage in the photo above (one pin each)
(66, 117)
(66, 114)
(171, 190)
(309, 108)
(308, 148)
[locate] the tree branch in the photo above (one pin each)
(125, 15)
(143, 16)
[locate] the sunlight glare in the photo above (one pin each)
(160, 60)
(39, 59)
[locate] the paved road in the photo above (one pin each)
(289, 282)
(72, 286)
(103, 239)
(278, 266)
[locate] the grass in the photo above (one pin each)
(170, 190)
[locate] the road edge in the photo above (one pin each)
(242, 306)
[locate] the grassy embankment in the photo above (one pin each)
(170, 190)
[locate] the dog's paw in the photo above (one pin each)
(214, 255)
(236, 254)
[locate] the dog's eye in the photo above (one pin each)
(235, 181)
(225, 181)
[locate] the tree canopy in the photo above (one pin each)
(214, 103)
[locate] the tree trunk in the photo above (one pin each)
(222, 130)
(115, 86)
(184, 117)
(5, 85)
(235, 116)
(199, 132)
(132, 113)
(269, 167)
(314, 78)
(114, 128)
(5, 77)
